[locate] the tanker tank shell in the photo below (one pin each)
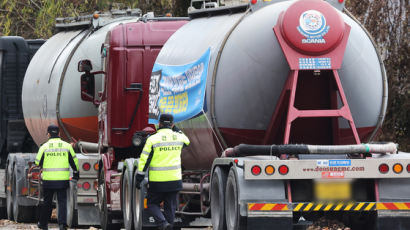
(251, 73)
(51, 87)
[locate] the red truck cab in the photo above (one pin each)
(128, 56)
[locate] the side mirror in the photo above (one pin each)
(87, 86)
(85, 66)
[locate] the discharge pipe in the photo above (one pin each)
(86, 147)
(244, 150)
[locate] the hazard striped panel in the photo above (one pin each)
(393, 206)
(338, 206)
(359, 206)
(267, 207)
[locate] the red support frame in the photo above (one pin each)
(294, 113)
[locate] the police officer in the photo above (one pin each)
(162, 155)
(55, 157)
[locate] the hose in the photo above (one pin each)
(244, 150)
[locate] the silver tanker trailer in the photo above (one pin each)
(49, 95)
(301, 86)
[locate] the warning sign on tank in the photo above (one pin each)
(178, 90)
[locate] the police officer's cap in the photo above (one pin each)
(166, 119)
(53, 130)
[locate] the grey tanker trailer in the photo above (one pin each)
(51, 95)
(248, 71)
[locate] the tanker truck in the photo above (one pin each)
(15, 55)
(280, 100)
(51, 95)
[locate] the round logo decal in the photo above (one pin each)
(312, 25)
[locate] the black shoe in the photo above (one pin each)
(41, 227)
(166, 226)
(62, 227)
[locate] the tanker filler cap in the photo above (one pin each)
(312, 26)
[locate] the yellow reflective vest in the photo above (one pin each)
(56, 164)
(165, 164)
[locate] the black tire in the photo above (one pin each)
(9, 196)
(127, 199)
(218, 184)
(105, 220)
(137, 204)
(20, 213)
(72, 213)
(234, 221)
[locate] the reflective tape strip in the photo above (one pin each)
(318, 207)
(393, 206)
(340, 206)
(359, 206)
(56, 150)
(145, 152)
(369, 207)
(165, 168)
(168, 144)
(55, 169)
(298, 206)
(328, 207)
(141, 173)
(307, 208)
(267, 207)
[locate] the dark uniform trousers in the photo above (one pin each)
(154, 200)
(47, 205)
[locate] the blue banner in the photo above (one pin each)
(178, 90)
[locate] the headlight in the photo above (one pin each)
(136, 140)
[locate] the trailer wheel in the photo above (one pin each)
(234, 221)
(218, 185)
(20, 213)
(126, 200)
(105, 219)
(137, 204)
(72, 213)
